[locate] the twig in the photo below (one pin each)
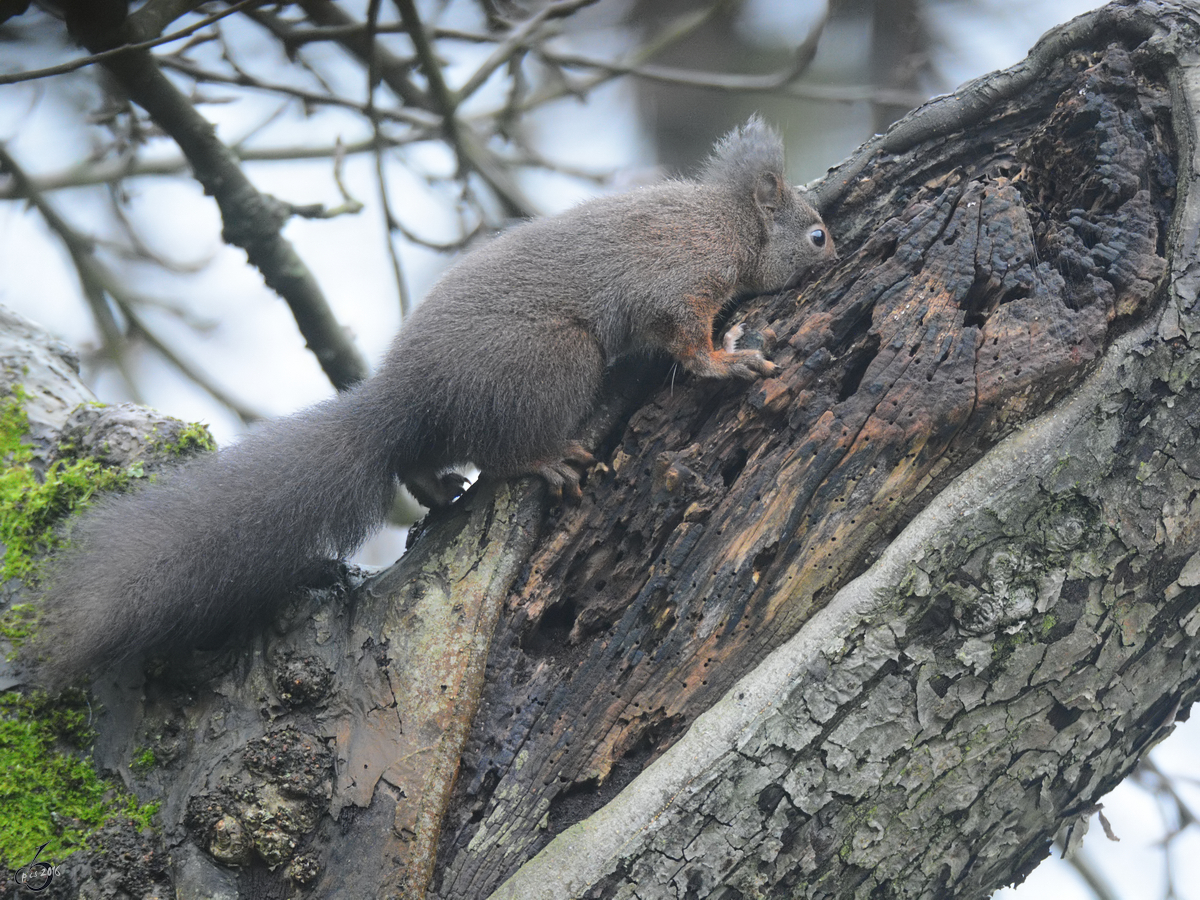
(338, 33)
(130, 167)
(472, 152)
(1097, 882)
(106, 55)
(440, 95)
(389, 219)
(200, 74)
(94, 280)
(391, 225)
(138, 249)
(444, 247)
(675, 31)
(100, 286)
(252, 220)
(392, 70)
(517, 40)
(779, 83)
(197, 376)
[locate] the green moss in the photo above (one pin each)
(1048, 622)
(1003, 647)
(49, 794)
(16, 623)
(195, 438)
(30, 506)
(143, 761)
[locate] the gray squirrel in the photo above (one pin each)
(498, 367)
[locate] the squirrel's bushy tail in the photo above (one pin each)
(218, 542)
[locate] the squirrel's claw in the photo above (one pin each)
(435, 489)
(561, 477)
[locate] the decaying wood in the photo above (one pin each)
(983, 274)
(882, 624)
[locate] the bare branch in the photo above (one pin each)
(141, 46)
(440, 97)
(129, 166)
(99, 286)
(252, 220)
(392, 224)
(778, 83)
(1096, 882)
(393, 70)
(515, 42)
(338, 33)
(153, 17)
(676, 30)
(93, 279)
(198, 376)
(200, 74)
(472, 152)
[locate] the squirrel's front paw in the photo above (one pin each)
(750, 364)
(732, 336)
(750, 361)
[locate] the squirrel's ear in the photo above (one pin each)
(768, 191)
(745, 159)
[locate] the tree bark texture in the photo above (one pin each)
(926, 733)
(881, 625)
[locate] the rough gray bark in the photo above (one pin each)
(817, 662)
(1004, 661)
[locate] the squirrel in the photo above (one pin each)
(499, 367)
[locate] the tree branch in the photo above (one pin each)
(96, 283)
(516, 40)
(139, 46)
(112, 170)
(404, 114)
(393, 71)
(252, 221)
(100, 285)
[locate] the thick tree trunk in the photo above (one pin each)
(883, 624)
(957, 683)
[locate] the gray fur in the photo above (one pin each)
(497, 367)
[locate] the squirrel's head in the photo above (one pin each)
(796, 237)
(749, 161)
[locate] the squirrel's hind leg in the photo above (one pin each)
(434, 489)
(560, 475)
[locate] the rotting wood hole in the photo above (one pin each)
(763, 560)
(856, 366)
(933, 620)
(550, 634)
(769, 798)
(887, 250)
(734, 466)
(983, 298)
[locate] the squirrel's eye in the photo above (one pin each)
(817, 236)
